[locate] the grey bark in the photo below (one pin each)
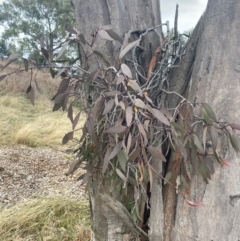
(123, 15)
(214, 78)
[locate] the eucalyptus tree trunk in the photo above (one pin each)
(124, 16)
(208, 72)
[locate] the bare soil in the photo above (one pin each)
(31, 172)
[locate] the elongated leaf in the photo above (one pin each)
(106, 160)
(62, 49)
(115, 151)
(116, 129)
(198, 144)
(92, 76)
(62, 87)
(32, 95)
(108, 106)
(160, 116)
(167, 177)
(126, 70)
(74, 165)
(104, 34)
(91, 131)
(135, 86)
(134, 155)
(155, 152)
(209, 111)
(129, 115)
(129, 142)
(114, 35)
(106, 27)
(70, 113)
(139, 103)
(122, 105)
(181, 147)
(2, 77)
(128, 48)
(143, 132)
(214, 137)
(103, 57)
(121, 175)
(235, 126)
(67, 137)
(203, 170)
(97, 108)
(112, 93)
(61, 71)
(75, 121)
(206, 116)
(59, 98)
(122, 158)
(177, 127)
(204, 138)
(120, 79)
(234, 142)
(57, 106)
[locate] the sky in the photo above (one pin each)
(189, 12)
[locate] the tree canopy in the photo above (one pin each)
(29, 20)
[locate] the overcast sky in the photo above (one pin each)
(189, 12)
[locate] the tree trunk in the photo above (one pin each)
(123, 15)
(208, 72)
(211, 68)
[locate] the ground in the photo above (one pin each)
(31, 172)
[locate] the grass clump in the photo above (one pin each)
(46, 219)
(22, 123)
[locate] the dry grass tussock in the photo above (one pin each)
(46, 219)
(22, 123)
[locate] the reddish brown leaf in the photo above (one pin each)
(67, 138)
(160, 116)
(143, 132)
(74, 165)
(97, 107)
(225, 163)
(116, 129)
(90, 128)
(106, 160)
(126, 70)
(115, 151)
(235, 126)
(2, 77)
(194, 204)
(108, 106)
(70, 112)
(129, 115)
(155, 152)
(75, 121)
(134, 155)
(153, 62)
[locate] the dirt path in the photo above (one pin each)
(30, 172)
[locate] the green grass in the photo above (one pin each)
(22, 123)
(53, 218)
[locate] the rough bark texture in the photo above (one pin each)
(214, 79)
(123, 15)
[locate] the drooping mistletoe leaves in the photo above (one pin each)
(116, 129)
(127, 48)
(31, 92)
(67, 137)
(155, 152)
(209, 111)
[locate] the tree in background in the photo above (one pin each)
(27, 21)
(4, 51)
